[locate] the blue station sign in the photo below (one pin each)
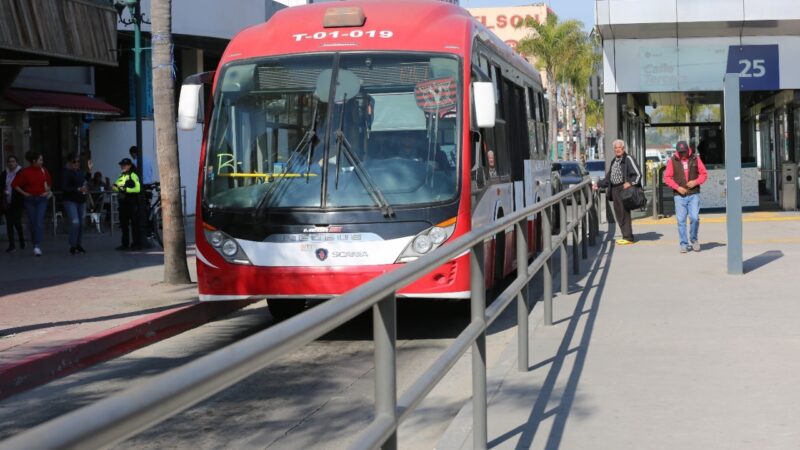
(757, 65)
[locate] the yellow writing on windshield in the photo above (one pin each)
(267, 176)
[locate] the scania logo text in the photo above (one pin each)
(349, 254)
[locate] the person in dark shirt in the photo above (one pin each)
(75, 189)
(128, 188)
(622, 174)
(12, 203)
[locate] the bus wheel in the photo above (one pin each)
(282, 309)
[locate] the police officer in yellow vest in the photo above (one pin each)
(128, 188)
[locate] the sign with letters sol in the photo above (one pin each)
(757, 65)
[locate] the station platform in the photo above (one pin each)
(660, 350)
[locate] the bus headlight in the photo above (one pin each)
(427, 240)
(422, 244)
(437, 235)
(216, 238)
(229, 248)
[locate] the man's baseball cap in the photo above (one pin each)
(126, 161)
(682, 147)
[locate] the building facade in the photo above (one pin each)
(664, 64)
(507, 22)
(46, 87)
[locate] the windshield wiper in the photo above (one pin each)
(303, 147)
(358, 167)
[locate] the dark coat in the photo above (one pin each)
(71, 181)
(630, 173)
(17, 199)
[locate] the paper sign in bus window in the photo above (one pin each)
(436, 95)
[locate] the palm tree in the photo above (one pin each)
(581, 67)
(176, 270)
(553, 44)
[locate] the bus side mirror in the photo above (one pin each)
(189, 100)
(189, 106)
(483, 97)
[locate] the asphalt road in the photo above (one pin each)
(318, 397)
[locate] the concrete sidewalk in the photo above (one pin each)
(662, 350)
(59, 296)
(62, 312)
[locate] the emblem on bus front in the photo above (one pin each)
(322, 254)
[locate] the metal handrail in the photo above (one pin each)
(115, 418)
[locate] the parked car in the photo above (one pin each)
(596, 169)
(655, 156)
(572, 173)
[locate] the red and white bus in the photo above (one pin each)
(345, 139)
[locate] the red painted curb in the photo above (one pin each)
(60, 361)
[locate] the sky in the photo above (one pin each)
(582, 10)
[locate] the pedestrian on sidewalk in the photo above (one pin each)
(12, 203)
(622, 174)
(75, 189)
(685, 173)
(34, 184)
(128, 188)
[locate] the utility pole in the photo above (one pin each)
(135, 10)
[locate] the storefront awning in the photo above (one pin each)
(41, 101)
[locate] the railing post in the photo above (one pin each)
(478, 312)
(584, 223)
(576, 267)
(522, 297)
(589, 212)
(547, 276)
(655, 192)
(562, 208)
(593, 225)
(384, 324)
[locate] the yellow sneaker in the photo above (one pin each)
(624, 242)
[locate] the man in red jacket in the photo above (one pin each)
(685, 173)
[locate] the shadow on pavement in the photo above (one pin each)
(763, 259)
(21, 272)
(649, 236)
(547, 394)
(416, 319)
(55, 270)
(711, 245)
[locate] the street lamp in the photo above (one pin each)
(136, 19)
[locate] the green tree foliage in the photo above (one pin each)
(594, 114)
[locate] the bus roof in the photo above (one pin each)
(410, 25)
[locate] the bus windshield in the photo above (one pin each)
(371, 130)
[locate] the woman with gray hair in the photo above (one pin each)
(622, 174)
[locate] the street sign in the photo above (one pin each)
(757, 65)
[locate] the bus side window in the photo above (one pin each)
(498, 140)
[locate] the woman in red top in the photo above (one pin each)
(34, 183)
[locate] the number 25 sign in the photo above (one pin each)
(757, 65)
